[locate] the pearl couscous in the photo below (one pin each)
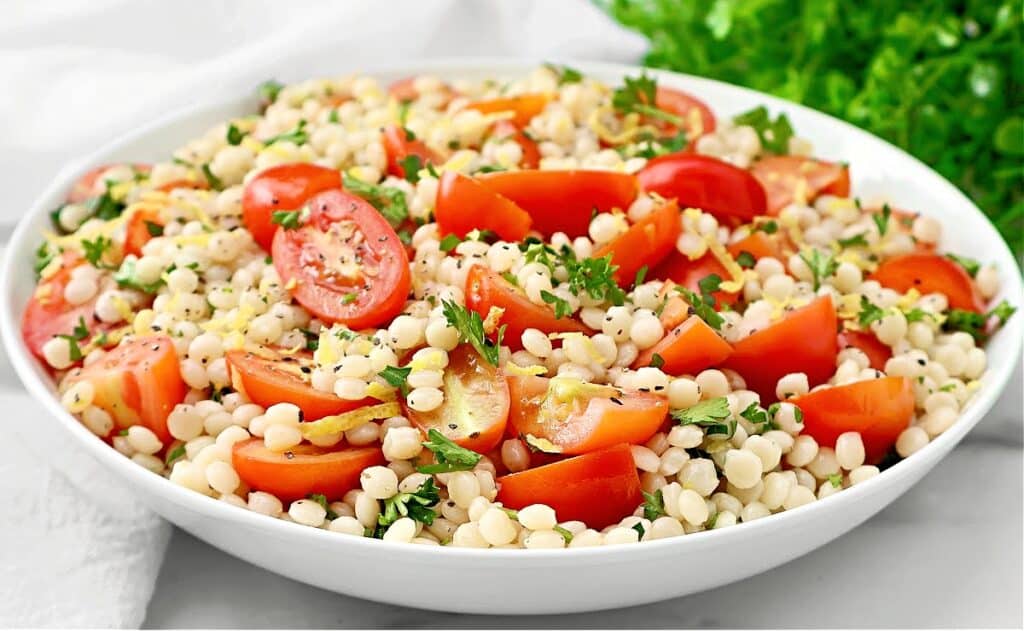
(537, 313)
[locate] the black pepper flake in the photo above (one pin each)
(305, 369)
(616, 401)
(302, 416)
(923, 362)
(453, 426)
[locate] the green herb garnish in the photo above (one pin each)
(970, 265)
(774, 134)
(388, 200)
(470, 326)
(397, 377)
(447, 455)
(822, 265)
(711, 414)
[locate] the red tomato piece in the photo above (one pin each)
(486, 289)
(89, 185)
(880, 409)
(464, 204)
(930, 273)
(303, 470)
(583, 417)
(523, 107)
(138, 383)
(344, 263)
(476, 403)
(698, 117)
(645, 243)
(143, 225)
(268, 377)
(687, 349)
(759, 245)
(531, 152)
(877, 352)
(283, 187)
(47, 313)
(803, 341)
(713, 185)
(785, 177)
(681, 270)
(563, 201)
(399, 144)
(598, 488)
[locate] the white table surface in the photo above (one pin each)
(946, 554)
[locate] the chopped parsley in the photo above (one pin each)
(774, 134)
(562, 307)
(104, 206)
(637, 94)
(332, 117)
(836, 480)
(349, 298)
(490, 168)
(657, 361)
(44, 256)
(403, 111)
(746, 260)
(882, 219)
(869, 312)
(417, 506)
(234, 135)
(596, 277)
(641, 274)
(759, 417)
(449, 242)
(153, 228)
(470, 326)
(447, 455)
(703, 305)
(654, 505)
(312, 339)
(768, 227)
(211, 179)
(565, 74)
(174, 454)
(711, 414)
(639, 527)
(856, 240)
(269, 90)
(975, 323)
(94, 250)
(298, 136)
(565, 534)
(290, 219)
(397, 377)
(126, 276)
(411, 165)
(970, 265)
(79, 333)
(388, 200)
(321, 499)
(822, 265)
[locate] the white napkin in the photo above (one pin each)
(78, 550)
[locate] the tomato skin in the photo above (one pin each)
(282, 187)
(563, 201)
(270, 377)
(470, 384)
(687, 349)
(880, 409)
(398, 146)
(783, 176)
(138, 383)
(645, 243)
(299, 256)
(531, 152)
(591, 425)
(464, 204)
(599, 488)
(486, 289)
(331, 472)
(930, 273)
(878, 353)
(757, 244)
(803, 341)
(47, 313)
(715, 186)
(698, 116)
(136, 233)
(523, 107)
(678, 268)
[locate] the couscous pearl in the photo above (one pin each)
(402, 443)
(425, 399)
(222, 477)
(645, 331)
(683, 393)
(987, 281)
(766, 450)
(281, 438)
(98, 421)
(712, 383)
(307, 512)
(692, 507)
(347, 526)
(685, 436)
(862, 473)
(798, 496)
(468, 536)
(911, 440)
(537, 517)
(849, 450)
(664, 527)
(805, 449)
(57, 353)
(402, 530)
(939, 421)
(378, 482)
(824, 463)
(143, 440)
(724, 519)
(742, 468)
(620, 535)
(791, 385)
(496, 527)
(700, 475)
(463, 487)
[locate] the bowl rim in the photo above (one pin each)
(144, 481)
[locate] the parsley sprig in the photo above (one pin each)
(397, 377)
(470, 326)
(637, 94)
(447, 455)
(388, 200)
(417, 506)
(298, 136)
(774, 134)
(711, 414)
(703, 304)
(79, 333)
(822, 265)
(976, 323)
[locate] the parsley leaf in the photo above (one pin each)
(882, 219)
(657, 361)
(822, 265)
(298, 136)
(321, 499)
(79, 333)
(94, 250)
(976, 323)
(654, 505)
(269, 90)
(774, 135)
(44, 256)
(470, 326)
(396, 377)
(449, 243)
(637, 94)
(565, 534)
(641, 274)
(746, 260)
(711, 414)
(290, 219)
(836, 480)
(759, 417)
(153, 228)
(856, 240)
(416, 506)
(562, 307)
(126, 276)
(411, 165)
(768, 227)
(212, 179)
(448, 456)
(869, 312)
(970, 265)
(703, 305)
(565, 74)
(234, 135)
(640, 529)
(174, 454)
(388, 200)
(105, 207)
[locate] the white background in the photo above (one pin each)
(74, 73)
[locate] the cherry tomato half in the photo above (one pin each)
(399, 145)
(143, 225)
(682, 271)
(581, 417)
(486, 289)
(802, 341)
(563, 201)
(687, 349)
(137, 383)
(713, 185)
(599, 488)
(282, 187)
(645, 243)
(302, 470)
(463, 204)
(531, 152)
(930, 273)
(344, 263)
(880, 409)
(523, 107)
(697, 116)
(785, 177)
(476, 403)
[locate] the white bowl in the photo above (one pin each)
(540, 581)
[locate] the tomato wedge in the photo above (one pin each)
(785, 177)
(581, 417)
(930, 273)
(697, 116)
(598, 488)
(143, 225)
(282, 187)
(523, 107)
(877, 352)
(464, 204)
(715, 186)
(476, 403)
(302, 470)
(344, 263)
(880, 409)
(47, 313)
(645, 243)
(138, 383)
(531, 152)
(563, 201)
(757, 244)
(687, 349)
(268, 377)
(803, 341)
(486, 289)
(682, 271)
(399, 144)
(89, 185)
